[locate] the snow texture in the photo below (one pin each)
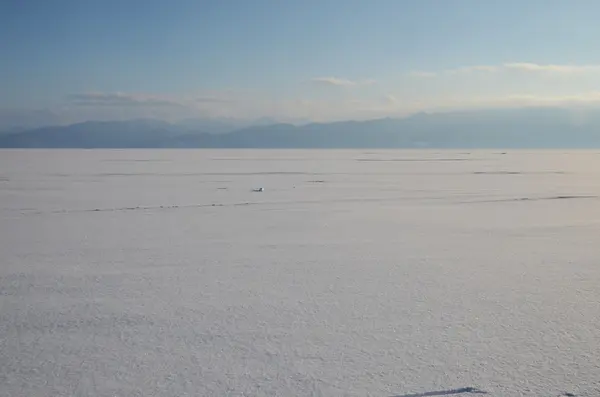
(380, 273)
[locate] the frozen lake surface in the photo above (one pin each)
(354, 273)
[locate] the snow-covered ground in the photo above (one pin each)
(354, 273)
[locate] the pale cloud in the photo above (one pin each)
(527, 67)
(392, 99)
(583, 99)
(396, 105)
(144, 100)
(126, 105)
(353, 105)
(591, 98)
(338, 82)
(122, 99)
(534, 67)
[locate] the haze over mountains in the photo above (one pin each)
(496, 128)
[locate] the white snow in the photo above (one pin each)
(355, 273)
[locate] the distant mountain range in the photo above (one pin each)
(497, 128)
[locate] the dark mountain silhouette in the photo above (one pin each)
(507, 128)
(212, 126)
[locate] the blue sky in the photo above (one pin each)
(293, 59)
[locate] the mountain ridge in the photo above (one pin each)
(493, 128)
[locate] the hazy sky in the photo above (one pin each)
(314, 59)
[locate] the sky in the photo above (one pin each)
(73, 60)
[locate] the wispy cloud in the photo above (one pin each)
(144, 100)
(122, 99)
(592, 97)
(338, 82)
(355, 105)
(534, 68)
(527, 67)
(573, 100)
(123, 105)
(391, 99)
